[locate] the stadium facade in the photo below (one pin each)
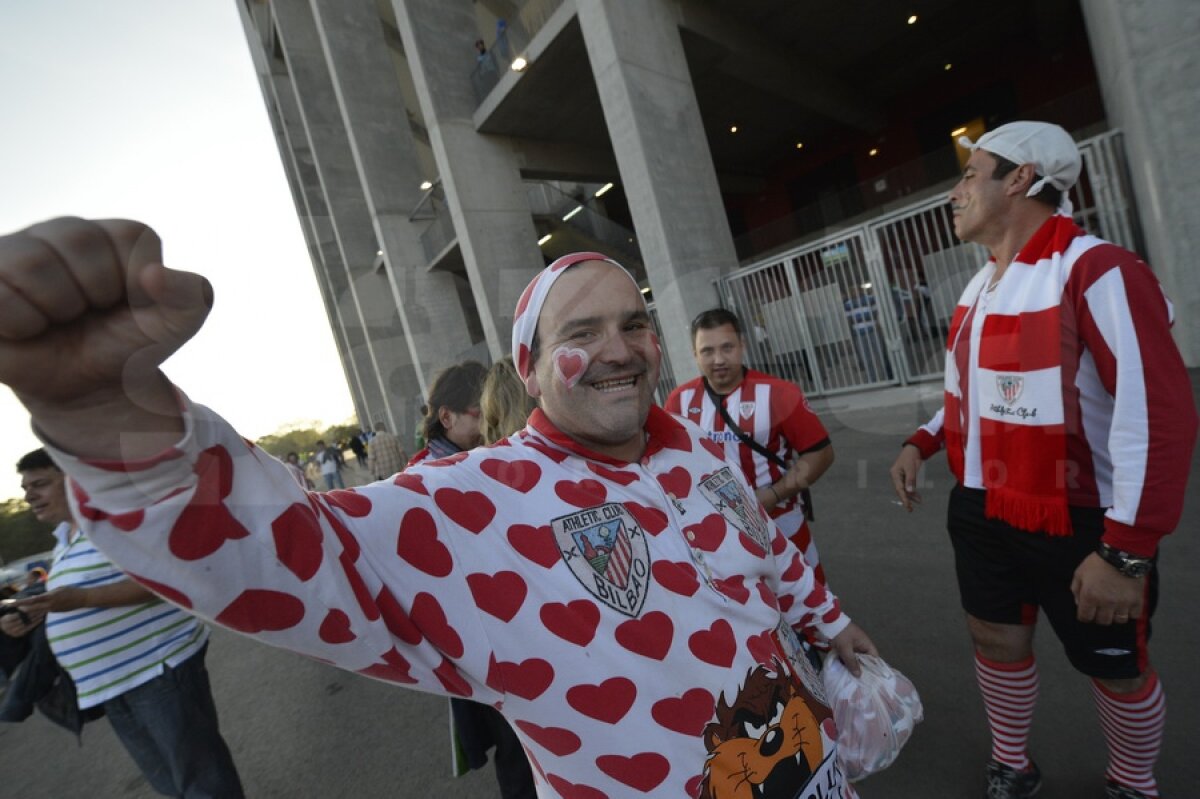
(788, 158)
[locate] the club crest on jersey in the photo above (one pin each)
(746, 409)
(606, 550)
(725, 493)
(1010, 387)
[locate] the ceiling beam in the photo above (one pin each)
(758, 62)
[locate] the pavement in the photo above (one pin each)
(299, 728)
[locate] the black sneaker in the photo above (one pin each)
(1005, 782)
(1115, 790)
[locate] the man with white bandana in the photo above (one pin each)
(602, 577)
(1069, 424)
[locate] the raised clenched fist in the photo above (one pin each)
(87, 314)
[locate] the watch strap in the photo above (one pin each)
(1126, 563)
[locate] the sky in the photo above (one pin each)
(151, 110)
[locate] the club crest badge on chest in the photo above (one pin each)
(606, 550)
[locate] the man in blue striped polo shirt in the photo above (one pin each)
(128, 651)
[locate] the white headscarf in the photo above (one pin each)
(1046, 146)
(529, 307)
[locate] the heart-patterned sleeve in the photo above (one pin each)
(363, 579)
(802, 598)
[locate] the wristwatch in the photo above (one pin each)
(1126, 563)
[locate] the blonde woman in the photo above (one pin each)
(505, 404)
(466, 405)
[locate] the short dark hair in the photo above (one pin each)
(456, 387)
(714, 318)
(1049, 195)
(38, 459)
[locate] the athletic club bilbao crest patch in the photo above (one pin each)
(725, 493)
(606, 550)
(746, 409)
(1010, 387)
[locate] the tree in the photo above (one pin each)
(301, 437)
(298, 437)
(342, 432)
(21, 534)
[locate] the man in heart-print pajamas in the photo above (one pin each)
(602, 577)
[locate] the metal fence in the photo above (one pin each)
(869, 305)
(666, 374)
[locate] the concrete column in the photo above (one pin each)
(384, 151)
(1147, 55)
(332, 274)
(320, 268)
(483, 186)
(293, 150)
(362, 409)
(348, 214)
(666, 168)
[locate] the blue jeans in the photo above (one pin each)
(169, 726)
(333, 481)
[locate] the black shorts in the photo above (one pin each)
(1006, 574)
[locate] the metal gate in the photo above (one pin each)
(666, 373)
(869, 305)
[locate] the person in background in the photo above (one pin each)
(477, 727)
(359, 447)
(500, 44)
(451, 421)
(863, 316)
(764, 424)
(312, 471)
(504, 403)
(386, 455)
(292, 461)
(1069, 424)
(127, 651)
(330, 461)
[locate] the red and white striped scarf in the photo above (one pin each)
(1019, 366)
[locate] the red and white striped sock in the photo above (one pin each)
(1133, 728)
(1009, 693)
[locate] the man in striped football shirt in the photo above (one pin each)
(772, 411)
(1068, 423)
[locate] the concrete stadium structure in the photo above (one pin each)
(684, 137)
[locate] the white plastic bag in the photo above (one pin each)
(875, 713)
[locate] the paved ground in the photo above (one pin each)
(299, 728)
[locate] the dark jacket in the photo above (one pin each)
(38, 681)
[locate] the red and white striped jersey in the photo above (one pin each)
(1128, 413)
(775, 413)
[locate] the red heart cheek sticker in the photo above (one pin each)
(569, 365)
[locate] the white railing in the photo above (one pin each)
(869, 305)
